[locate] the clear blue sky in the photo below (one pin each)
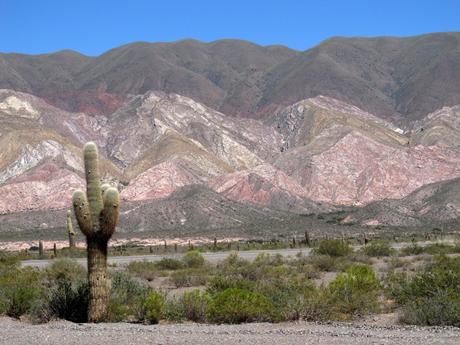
(92, 27)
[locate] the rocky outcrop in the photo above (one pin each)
(158, 182)
(357, 170)
(45, 187)
(267, 186)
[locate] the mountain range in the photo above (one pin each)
(236, 137)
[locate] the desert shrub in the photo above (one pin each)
(173, 310)
(441, 249)
(142, 269)
(302, 264)
(239, 305)
(395, 262)
(285, 292)
(440, 310)
(153, 308)
(432, 296)
(194, 305)
(8, 262)
(325, 263)
(169, 264)
(223, 282)
(378, 249)
(334, 248)
(64, 269)
(413, 249)
(67, 301)
(19, 290)
(233, 260)
(193, 259)
(355, 291)
(189, 277)
(127, 297)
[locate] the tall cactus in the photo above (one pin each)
(41, 252)
(97, 216)
(70, 230)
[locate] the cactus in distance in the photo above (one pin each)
(70, 230)
(97, 216)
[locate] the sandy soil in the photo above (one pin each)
(61, 332)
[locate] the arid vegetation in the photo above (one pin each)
(334, 282)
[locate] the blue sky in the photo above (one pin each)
(92, 27)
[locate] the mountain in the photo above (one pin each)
(396, 78)
(435, 204)
(230, 137)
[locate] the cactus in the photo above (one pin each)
(97, 216)
(41, 252)
(70, 230)
(307, 239)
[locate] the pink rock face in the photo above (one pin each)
(267, 186)
(158, 182)
(256, 185)
(358, 170)
(46, 187)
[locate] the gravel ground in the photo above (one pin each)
(14, 332)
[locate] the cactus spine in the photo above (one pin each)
(70, 230)
(97, 216)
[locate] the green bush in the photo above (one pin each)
(355, 291)
(153, 308)
(173, 310)
(432, 296)
(127, 297)
(440, 310)
(19, 290)
(8, 263)
(194, 305)
(68, 301)
(64, 269)
(286, 293)
(143, 269)
(378, 249)
(238, 305)
(169, 264)
(323, 263)
(413, 249)
(334, 248)
(189, 277)
(193, 259)
(223, 282)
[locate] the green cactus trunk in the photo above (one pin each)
(97, 280)
(70, 230)
(97, 217)
(41, 252)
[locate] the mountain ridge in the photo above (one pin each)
(395, 78)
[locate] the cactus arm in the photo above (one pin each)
(104, 187)
(109, 215)
(93, 184)
(82, 212)
(69, 223)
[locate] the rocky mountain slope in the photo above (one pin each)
(183, 166)
(435, 204)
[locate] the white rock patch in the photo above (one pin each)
(32, 156)
(15, 106)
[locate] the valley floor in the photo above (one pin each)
(21, 333)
